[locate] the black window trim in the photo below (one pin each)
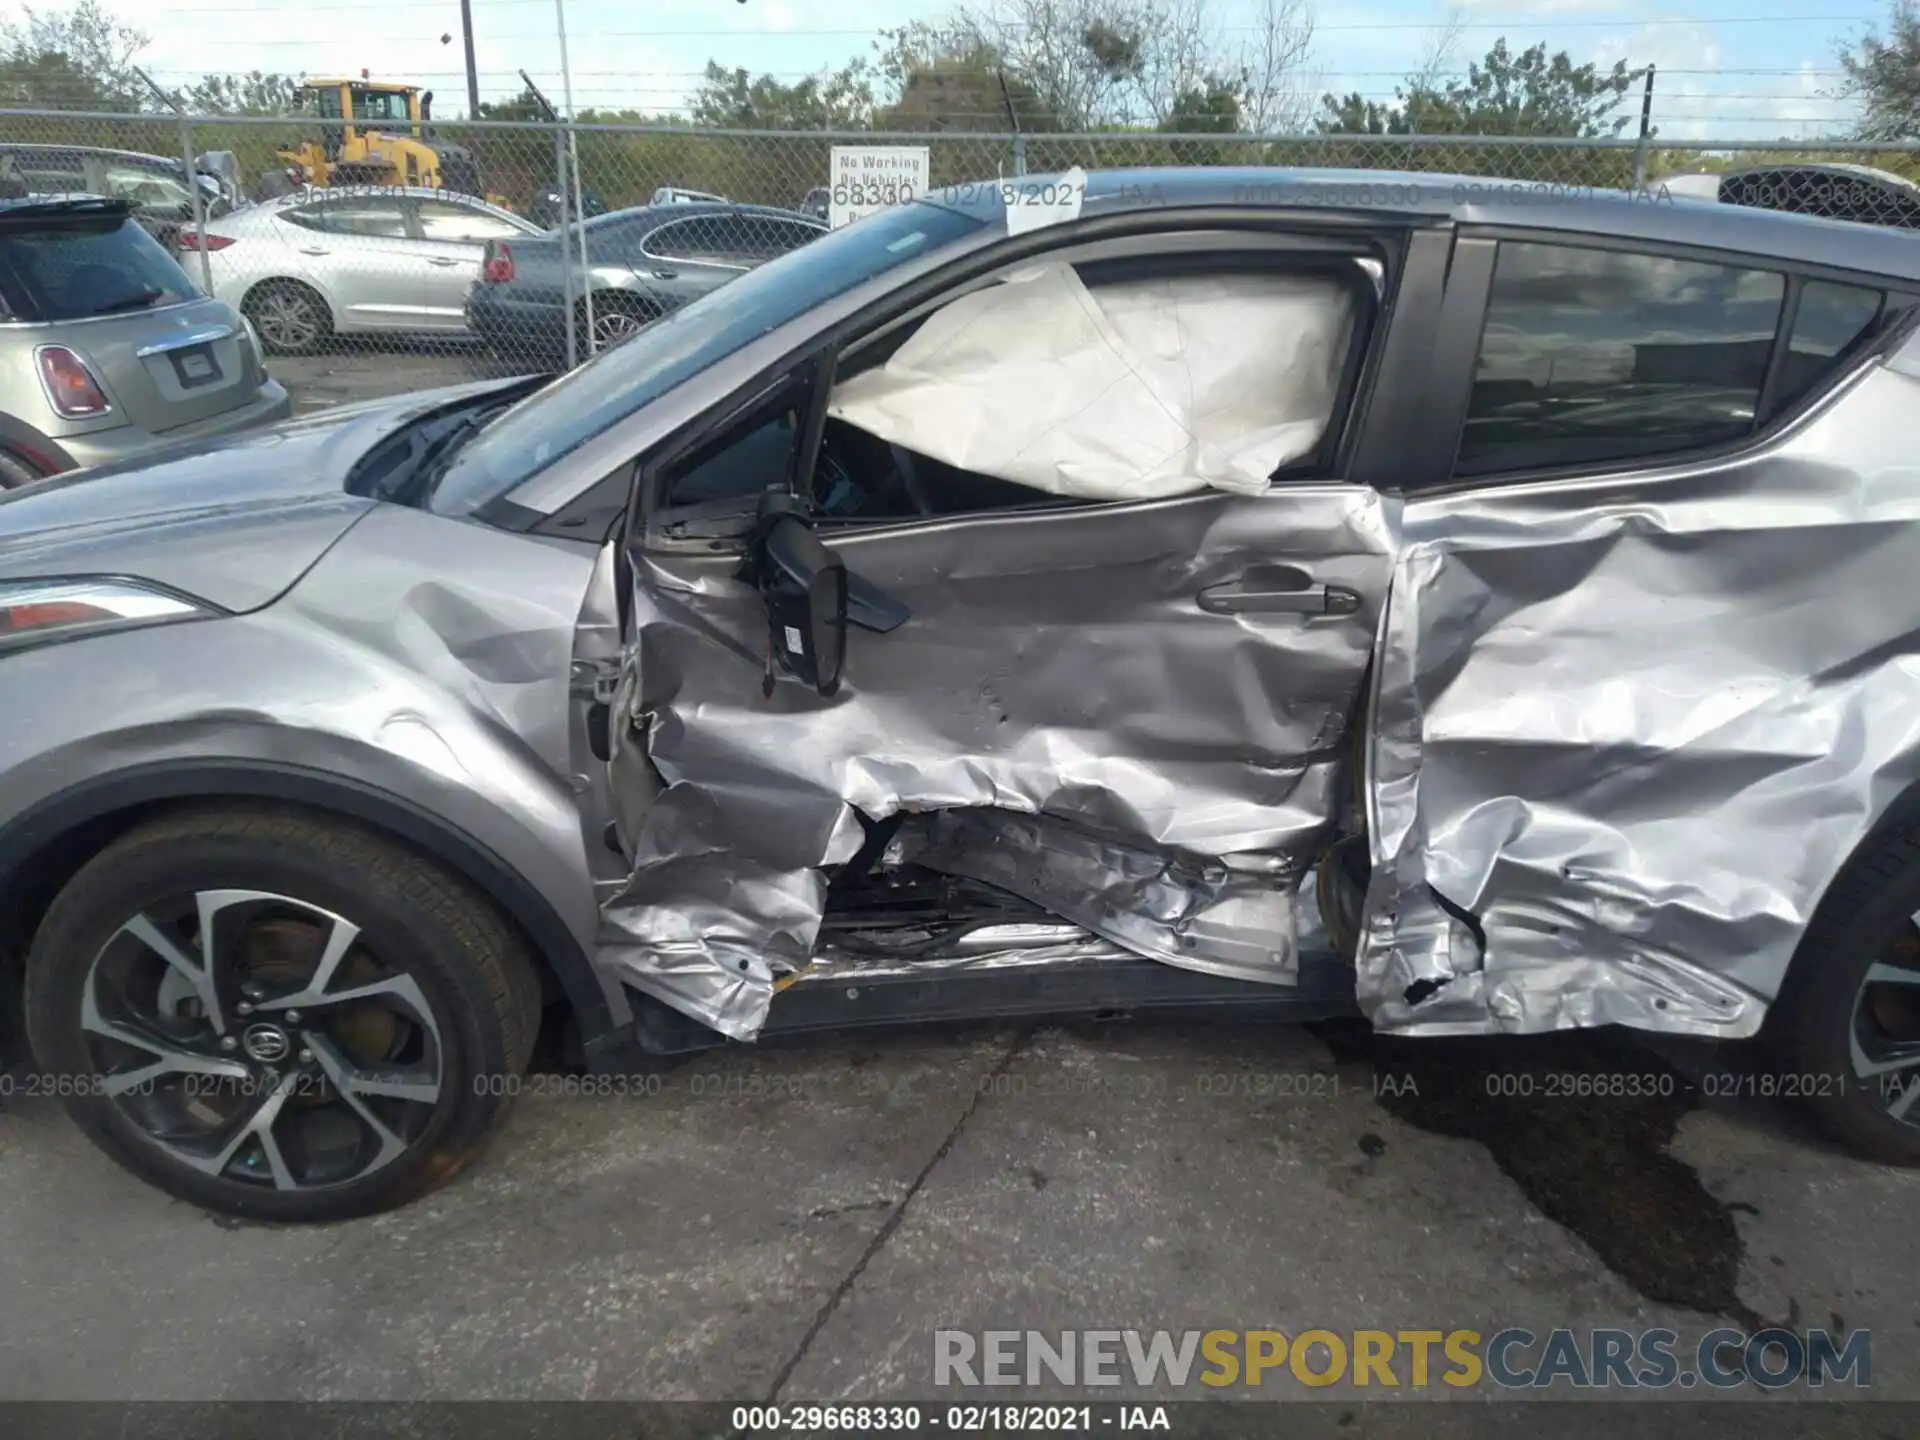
(1470, 292)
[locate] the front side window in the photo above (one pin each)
(381, 106)
(590, 400)
(369, 219)
(1590, 356)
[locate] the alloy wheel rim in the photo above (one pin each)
(613, 326)
(1884, 1028)
(287, 320)
(259, 1039)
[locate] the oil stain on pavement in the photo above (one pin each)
(1592, 1161)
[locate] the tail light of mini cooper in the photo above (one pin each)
(70, 386)
(34, 612)
(497, 266)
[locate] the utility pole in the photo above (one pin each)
(173, 103)
(1646, 124)
(473, 73)
(573, 161)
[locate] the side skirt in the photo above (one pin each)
(1077, 989)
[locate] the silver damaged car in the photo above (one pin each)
(1305, 592)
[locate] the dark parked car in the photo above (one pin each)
(153, 185)
(643, 263)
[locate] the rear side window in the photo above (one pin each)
(701, 237)
(1828, 323)
(1596, 355)
(462, 224)
(761, 237)
(74, 270)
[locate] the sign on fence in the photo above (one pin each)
(867, 178)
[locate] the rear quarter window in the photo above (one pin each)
(1589, 356)
(75, 269)
(1829, 322)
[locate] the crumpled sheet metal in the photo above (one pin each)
(1199, 913)
(1123, 392)
(1631, 739)
(999, 947)
(1131, 715)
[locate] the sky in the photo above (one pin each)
(1726, 69)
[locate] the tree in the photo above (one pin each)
(527, 105)
(254, 93)
(78, 59)
(952, 78)
(1531, 93)
(1884, 76)
(832, 100)
(1107, 64)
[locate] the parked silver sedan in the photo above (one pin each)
(107, 348)
(320, 263)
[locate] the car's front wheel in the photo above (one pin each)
(290, 318)
(277, 1015)
(1846, 1025)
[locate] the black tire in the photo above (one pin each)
(1829, 1009)
(417, 923)
(15, 472)
(290, 318)
(613, 311)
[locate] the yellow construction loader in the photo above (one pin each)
(385, 138)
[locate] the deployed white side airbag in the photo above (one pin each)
(1128, 392)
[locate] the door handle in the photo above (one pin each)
(1283, 592)
(441, 260)
(305, 251)
(665, 272)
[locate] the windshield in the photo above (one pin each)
(592, 399)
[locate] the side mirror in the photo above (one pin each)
(804, 585)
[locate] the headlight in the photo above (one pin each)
(35, 612)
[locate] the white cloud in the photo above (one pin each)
(1536, 8)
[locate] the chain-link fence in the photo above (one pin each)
(467, 235)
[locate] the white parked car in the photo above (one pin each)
(320, 263)
(674, 195)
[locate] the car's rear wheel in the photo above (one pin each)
(1846, 1025)
(616, 317)
(291, 318)
(279, 1016)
